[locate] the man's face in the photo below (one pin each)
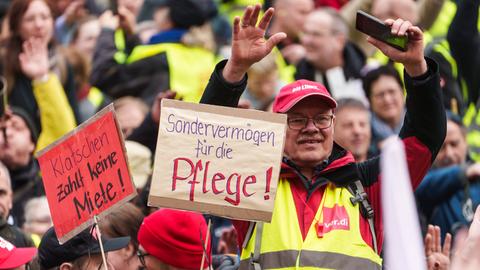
(309, 146)
(320, 43)
(5, 196)
(387, 99)
(454, 148)
(18, 149)
(292, 15)
(352, 131)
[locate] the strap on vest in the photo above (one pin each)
(360, 196)
(255, 256)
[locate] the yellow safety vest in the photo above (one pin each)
(472, 121)
(444, 19)
(120, 55)
(340, 247)
(189, 67)
(231, 9)
(286, 71)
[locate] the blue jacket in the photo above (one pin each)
(441, 195)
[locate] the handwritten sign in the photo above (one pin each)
(85, 173)
(218, 160)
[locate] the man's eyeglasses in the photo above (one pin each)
(141, 256)
(321, 121)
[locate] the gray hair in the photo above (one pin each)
(352, 103)
(338, 25)
(33, 205)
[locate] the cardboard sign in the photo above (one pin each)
(217, 160)
(85, 173)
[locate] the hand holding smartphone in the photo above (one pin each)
(374, 27)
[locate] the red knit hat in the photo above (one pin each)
(175, 237)
(292, 93)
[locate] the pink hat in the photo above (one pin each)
(292, 93)
(176, 238)
(12, 257)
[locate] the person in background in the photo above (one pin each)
(71, 12)
(289, 19)
(330, 59)
(85, 36)
(21, 131)
(174, 239)
(450, 192)
(37, 218)
(264, 83)
(9, 232)
(31, 62)
(123, 221)
(130, 113)
(140, 161)
(352, 127)
(80, 55)
(13, 258)
(384, 90)
(80, 252)
(16, 152)
(182, 48)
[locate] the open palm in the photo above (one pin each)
(34, 58)
(248, 42)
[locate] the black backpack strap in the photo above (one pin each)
(360, 196)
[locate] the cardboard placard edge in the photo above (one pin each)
(98, 115)
(277, 118)
(213, 209)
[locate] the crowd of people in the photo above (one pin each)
(64, 60)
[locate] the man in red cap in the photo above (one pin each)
(173, 239)
(14, 258)
(322, 217)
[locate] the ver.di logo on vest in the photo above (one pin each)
(335, 218)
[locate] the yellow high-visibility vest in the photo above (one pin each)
(189, 67)
(341, 245)
(286, 71)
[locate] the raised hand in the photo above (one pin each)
(248, 42)
(437, 258)
(34, 58)
(413, 59)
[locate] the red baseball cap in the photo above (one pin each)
(12, 257)
(176, 238)
(292, 93)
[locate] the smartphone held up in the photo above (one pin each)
(375, 28)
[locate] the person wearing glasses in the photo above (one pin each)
(322, 217)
